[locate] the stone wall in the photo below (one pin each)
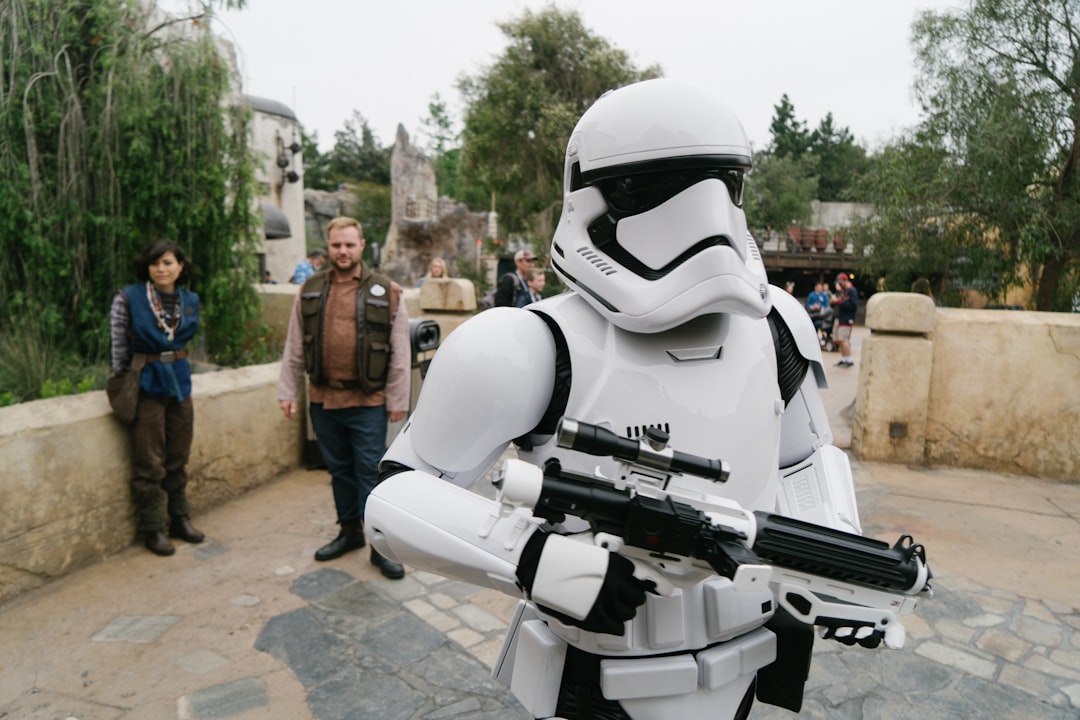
(996, 390)
(277, 303)
(449, 302)
(65, 467)
(1006, 395)
(892, 397)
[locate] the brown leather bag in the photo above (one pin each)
(123, 390)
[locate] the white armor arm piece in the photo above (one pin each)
(815, 476)
(489, 383)
(428, 523)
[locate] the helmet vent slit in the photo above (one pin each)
(752, 248)
(597, 261)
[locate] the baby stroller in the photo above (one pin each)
(823, 322)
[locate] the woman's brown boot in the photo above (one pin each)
(181, 527)
(157, 543)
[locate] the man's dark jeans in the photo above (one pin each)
(352, 441)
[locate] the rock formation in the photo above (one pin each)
(424, 225)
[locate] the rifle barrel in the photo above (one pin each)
(843, 556)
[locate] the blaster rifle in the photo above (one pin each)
(821, 575)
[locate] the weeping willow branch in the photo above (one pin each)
(114, 129)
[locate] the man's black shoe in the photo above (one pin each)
(389, 568)
(340, 545)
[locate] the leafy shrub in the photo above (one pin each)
(34, 366)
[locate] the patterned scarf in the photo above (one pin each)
(168, 318)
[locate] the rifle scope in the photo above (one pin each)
(595, 440)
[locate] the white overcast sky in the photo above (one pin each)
(386, 59)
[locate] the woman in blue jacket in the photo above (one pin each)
(151, 322)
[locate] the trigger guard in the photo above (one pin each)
(644, 571)
(611, 543)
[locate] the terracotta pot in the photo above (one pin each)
(821, 239)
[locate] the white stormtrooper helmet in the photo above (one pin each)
(652, 232)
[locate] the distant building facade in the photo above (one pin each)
(279, 176)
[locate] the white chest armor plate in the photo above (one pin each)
(711, 384)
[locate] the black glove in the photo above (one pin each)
(621, 594)
(865, 635)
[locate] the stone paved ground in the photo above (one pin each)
(387, 651)
(972, 652)
(248, 626)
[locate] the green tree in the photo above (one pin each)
(442, 143)
(911, 186)
(359, 165)
(317, 174)
(520, 112)
(837, 160)
(437, 129)
(115, 128)
(357, 155)
(790, 138)
(999, 84)
(840, 161)
(372, 208)
(779, 191)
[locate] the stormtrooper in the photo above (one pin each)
(667, 502)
